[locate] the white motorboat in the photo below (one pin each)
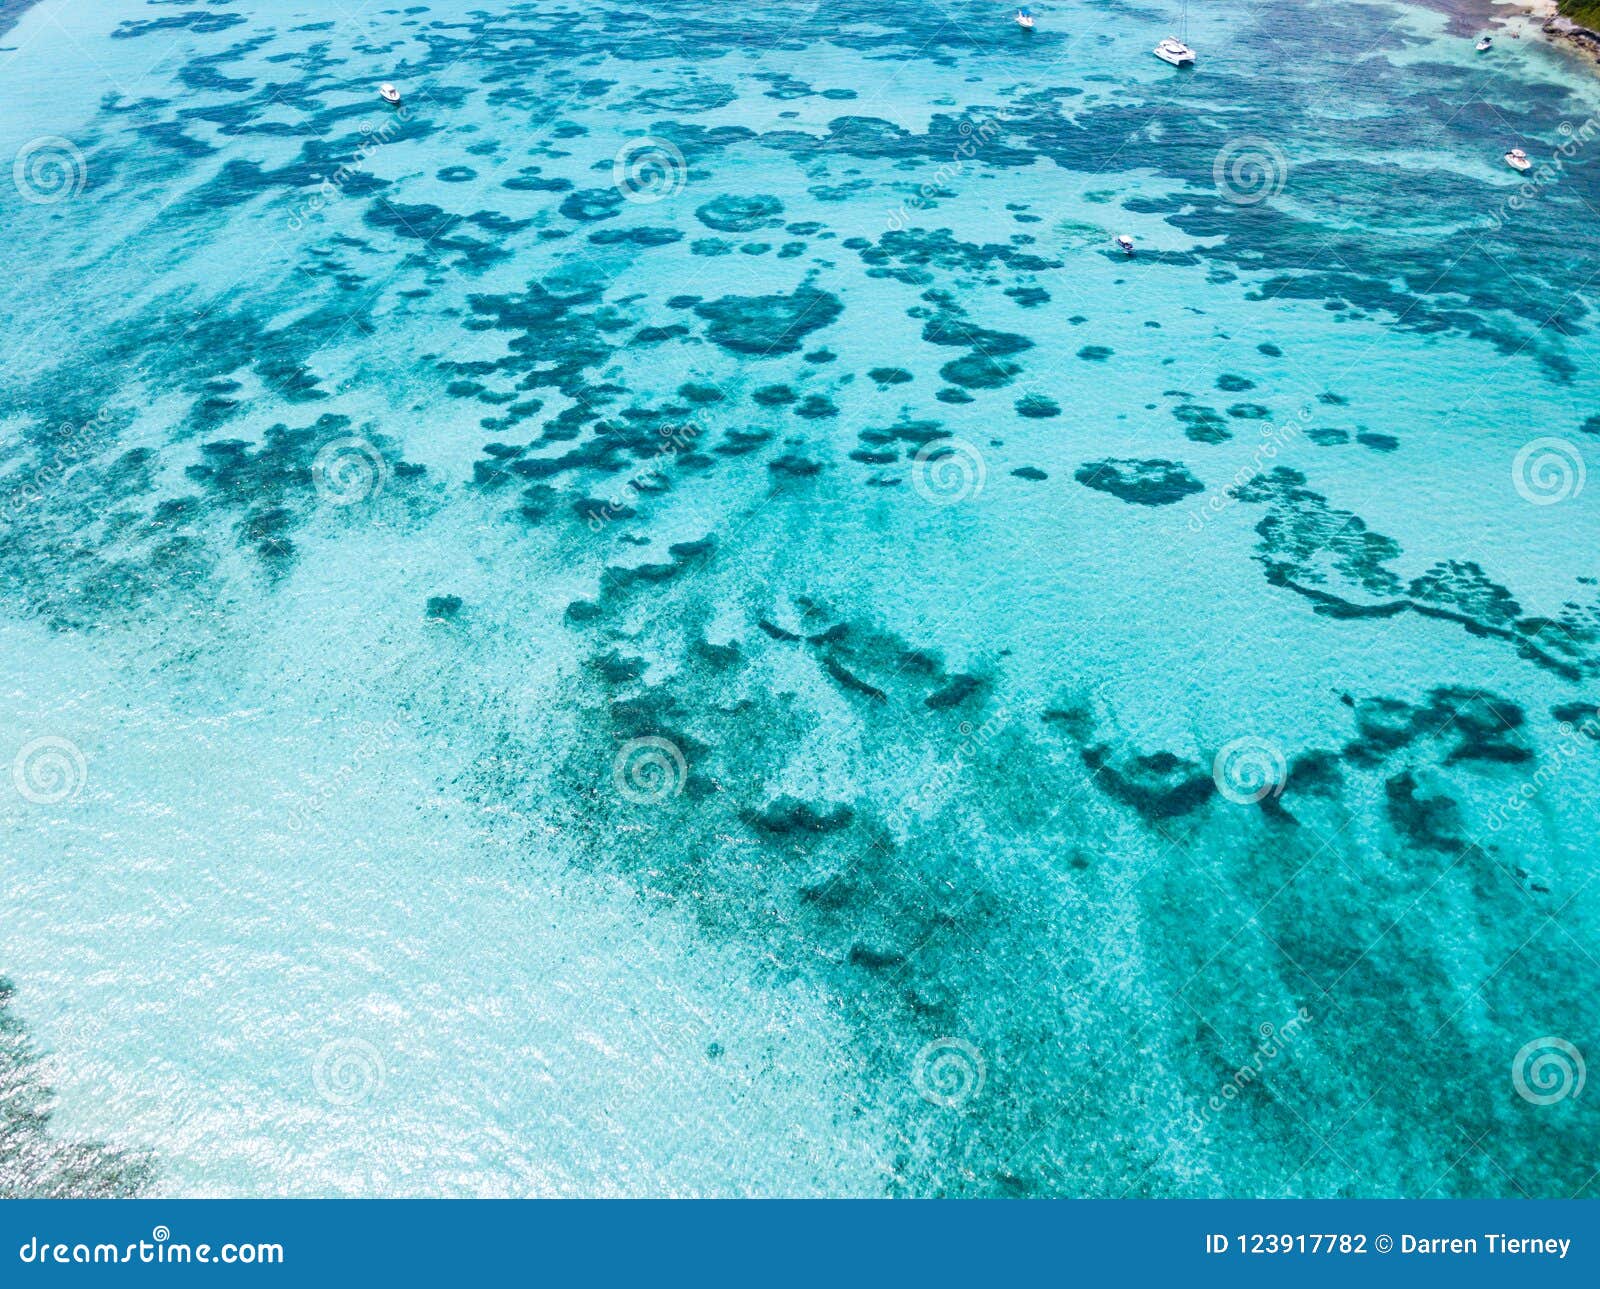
(1126, 243)
(1174, 51)
(1024, 20)
(1484, 45)
(389, 93)
(1517, 159)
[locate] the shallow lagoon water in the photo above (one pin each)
(793, 798)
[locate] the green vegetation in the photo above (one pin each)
(1586, 13)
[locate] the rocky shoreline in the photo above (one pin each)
(1556, 27)
(1564, 30)
(1517, 18)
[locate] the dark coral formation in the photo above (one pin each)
(36, 1163)
(1159, 785)
(1310, 547)
(765, 326)
(1470, 724)
(1156, 482)
(730, 213)
(800, 725)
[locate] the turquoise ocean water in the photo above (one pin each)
(674, 617)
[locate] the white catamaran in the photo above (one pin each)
(1175, 51)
